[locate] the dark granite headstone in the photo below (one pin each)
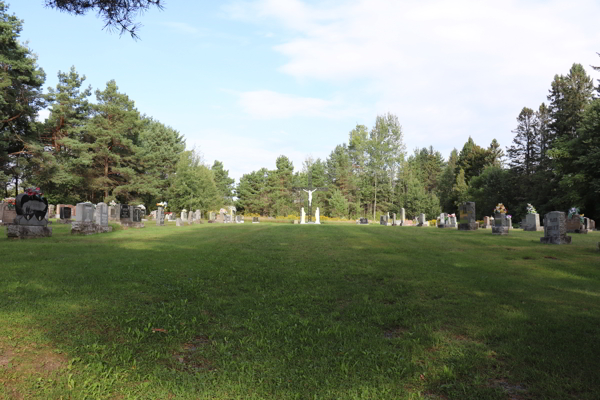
(65, 213)
(125, 211)
(137, 215)
(555, 229)
(500, 226)
(364, 221)
(467, 220)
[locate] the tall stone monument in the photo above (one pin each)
(555, 228)
(160, 216)
(31, 208)
(500, 226)
(467, 220)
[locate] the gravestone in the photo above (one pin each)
(364, 221)
(125, 212)
(317, 216)
(239, 219)
(64, 215)
(8, 213)
(138, 213)
(574, 224)
(467, 221)
(85, 213)
(500, 226)
(402, 216)
(89, 221)
(487, 222)
(178, 222)
(532, 223)
(302, 216)
(509, 220)
(184, 215)
(190, 218)
(451, 222)
(160, 216)
(383, 220)
(51, 211)
(212, 216)
(422, 221)
(220, 218)
(113, 213)
(442, 220)
(255, 220)
(394, 223)
(592, 225)
(31, 208)
(555, 228)
(586, 224)
(198, 217)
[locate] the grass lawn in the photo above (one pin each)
(273, 311)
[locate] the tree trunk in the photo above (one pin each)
(375, 202)
(106, 176)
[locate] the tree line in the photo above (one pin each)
(553, 163)
(86, 151)
(108, 150)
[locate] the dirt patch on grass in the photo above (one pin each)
(188, 358)
(20, 362)
(514, 391)
(394, 332)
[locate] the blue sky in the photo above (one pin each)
(247, 81)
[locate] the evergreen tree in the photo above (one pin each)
(251, 193)
(159, 151)
(113, 138)
(224, 183)
(193, 186)
(21, 98)
(446, 182)
(524, 154)
(60, 163)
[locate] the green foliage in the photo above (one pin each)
(21, 83)
(193, 185)
(224, 182)
(338, 204)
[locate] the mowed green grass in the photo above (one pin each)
(272, 311)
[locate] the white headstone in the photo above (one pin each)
(317, 217)
(302, 216)
(102, 214)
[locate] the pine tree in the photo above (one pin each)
(113, 138)
(224, 183)
(21, 98)
(524, 153)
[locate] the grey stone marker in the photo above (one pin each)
(422, 220)
(394, 222)
(574, 225)
(467, 221)
(500, 226)
(255, 220)
(160, 216)
(178, 222)
(84, 213)
(555, 228)
(383, 220)
(532, 223)
(402, 216)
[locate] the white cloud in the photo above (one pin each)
(448, 69)
(242, 154)
(266, 104)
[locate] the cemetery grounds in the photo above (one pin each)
(273, 311)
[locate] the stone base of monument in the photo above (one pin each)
(127, 224)
(441, 225)
(88, 228)
(577, 230)
(556, 239)
(64, 221)
(450, 226)
(499, 230)
(473, 226)
(27, 231)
